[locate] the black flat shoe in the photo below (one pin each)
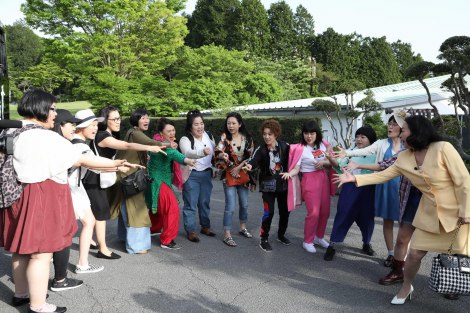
(93, 247)
(113, 256)
(367, 249)
(21, 301)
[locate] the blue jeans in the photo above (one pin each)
(197, 192)
(137, 238)
(230, 202)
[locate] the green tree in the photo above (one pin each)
(404, 56)
(24, 50)
(455, 54)
(304, 27)
(261, 88)
(281, 25)
(338, 53)
(47, 75)
(24, 47)
(212, 72)
(214, 22)
(375, 121)
(378, 66)
(109, 46)
(253, 28)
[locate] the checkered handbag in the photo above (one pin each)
(450, 273)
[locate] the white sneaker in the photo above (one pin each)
(309, 247)
(322, 242)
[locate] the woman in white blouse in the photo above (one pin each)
(42, 220)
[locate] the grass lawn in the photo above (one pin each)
(71, 106)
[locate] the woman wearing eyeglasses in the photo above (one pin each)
(386, 195)
(107, 143)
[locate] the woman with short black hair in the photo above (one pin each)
(42, 220)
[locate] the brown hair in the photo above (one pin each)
(273, 126)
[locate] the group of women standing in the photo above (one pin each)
(61, 168)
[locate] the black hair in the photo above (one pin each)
(104, 112)
(163, 122)
(367, 131)
(136, 116)
(422, 132)
(311, 127)
(190, 117)
(36, 103)
(242, 130)
(392, 119)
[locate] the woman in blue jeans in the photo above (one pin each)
(232, 152)
(197, 187)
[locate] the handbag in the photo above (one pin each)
(268, 185)
(136, 182)
(231, 181)
(450, 273)
(107, 179)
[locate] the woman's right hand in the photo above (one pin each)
(346, 177)
(156, 149)
(207, 151)
(340, 154)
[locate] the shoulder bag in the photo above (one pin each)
(107, 179)
(450, 273)
(136, 182)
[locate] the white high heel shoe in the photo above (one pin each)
(397, 300)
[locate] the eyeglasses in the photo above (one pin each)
(392, 124)
(115, 120)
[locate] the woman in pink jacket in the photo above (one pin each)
(309, 158)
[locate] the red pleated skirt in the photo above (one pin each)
(42, 220)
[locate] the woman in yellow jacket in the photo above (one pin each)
(436, 169)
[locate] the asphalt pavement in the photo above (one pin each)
(211, 277)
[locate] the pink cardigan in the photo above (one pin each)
(294, 191)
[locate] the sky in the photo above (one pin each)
(423, 24)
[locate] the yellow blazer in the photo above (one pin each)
(443, 179)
